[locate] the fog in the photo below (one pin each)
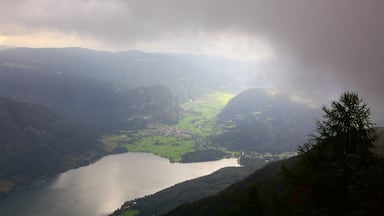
(311, 48)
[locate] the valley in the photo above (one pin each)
(197, 135)
(190, 134)
(58, 114)
(191, 108)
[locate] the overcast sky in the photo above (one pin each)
(335, 41)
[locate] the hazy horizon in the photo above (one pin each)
(314, 49)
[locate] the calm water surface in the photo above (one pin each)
(100, 188)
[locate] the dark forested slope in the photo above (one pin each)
(34, 143)
(267, 192)
(241, 198)
(263, 120)
(188, 191)
(89, 101)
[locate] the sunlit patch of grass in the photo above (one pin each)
(169, 147)
(111, 142)
(231, 153)
(202, 113)
(165, 146)
(131, 212)
(174, 141)
(190, 123)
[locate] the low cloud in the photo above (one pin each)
(333, 44)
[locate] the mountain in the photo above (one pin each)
(241, 198)
(188, 191)
(185, 75)
(51, 121)
(262, 120)
(34, 143)
(89, 101)
(4, 47)
(55, 108)
(264, 192)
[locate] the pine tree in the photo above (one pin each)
(336, 163)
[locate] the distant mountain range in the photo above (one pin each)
(185, 75)
(55, 106)
(61, 119)
(4, 47)
(89, 101)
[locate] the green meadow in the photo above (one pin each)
(202, 113)
(195, 126)
(131, 213)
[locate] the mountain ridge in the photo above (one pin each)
(89, 101)
(262, 192)
(34, 143)
(263, 120)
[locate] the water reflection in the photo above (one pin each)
(101, 187)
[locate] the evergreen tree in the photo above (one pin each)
(336, 163)
(348, 131)
(345, 138)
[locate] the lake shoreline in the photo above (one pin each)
(112, 174)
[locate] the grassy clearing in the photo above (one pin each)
(174, 141)
(202, 113)
(232, 153)
(143, 141)
(170, 147)
(131, 213)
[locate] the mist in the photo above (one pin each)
(315, 49)
(191, 81)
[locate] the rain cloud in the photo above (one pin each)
(333, 44)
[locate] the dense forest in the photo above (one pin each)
(338, 172)
(35, 143)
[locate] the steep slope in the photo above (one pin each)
(262, 120)
(234, 199)
(188, 191)
(167, 199)
(263, 193)
(89, 101)
(34, 143)
(380, 142)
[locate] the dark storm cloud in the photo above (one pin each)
(341, 39)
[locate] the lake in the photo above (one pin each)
(100, 188)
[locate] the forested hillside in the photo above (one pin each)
(263, 120)
(338, 172)
(89, 101)
(34, 143)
